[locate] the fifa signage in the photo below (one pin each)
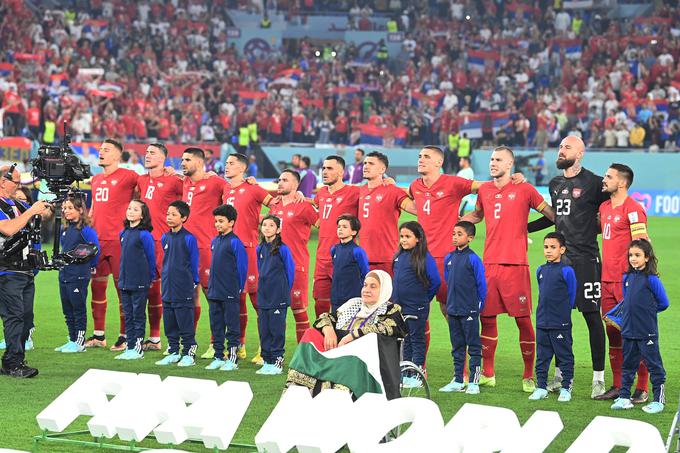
(179, 409)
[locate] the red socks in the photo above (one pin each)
(527, 344)
(489, 337)
(427, 341)
(643, 378)
(301, 323)
(197, 316)
(615, 354)
(155, 309)
(243, 317)
(98, 286)
(322, 306)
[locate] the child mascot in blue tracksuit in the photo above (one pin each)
(556, 298)
(643, 297)
(137, 271)
(416, 281)
(180, 278)
(74, 279)
(228, 272)
(465, 295)
(277, 271)
(350, 263)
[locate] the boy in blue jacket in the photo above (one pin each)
(180, 277)
(643, 297)
(556, 298)
(228, 272)
(277, 272)
(466, 292)
(350, 262)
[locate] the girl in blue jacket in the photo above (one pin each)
(137, 270)
(416, 281)
(74, 279)
(277, 271)
(643, 297)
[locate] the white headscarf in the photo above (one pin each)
(355, 308)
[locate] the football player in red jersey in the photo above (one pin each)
(203, 193)
(248, 200)
(332, 200)
(112, 191)
(505, 208)
(622, 220)
(157, 189)
(297, 219)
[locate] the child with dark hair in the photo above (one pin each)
(416, 281)
(180, 279)
(228, 273)
(276, 274)
(350, 262)
(643, 297)
(556, 298)
(137, 270)
(74, 279)
(465, 295)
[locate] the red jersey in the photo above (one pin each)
(111, 195)
(158, 193)
(247, 199)
(619, 224)
(202, 197)
(379, 210)
(296, 226)
(506, 212)
(437, 208)
(331, 206)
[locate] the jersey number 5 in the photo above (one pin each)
(101, 194)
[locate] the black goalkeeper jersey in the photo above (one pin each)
(576, 202)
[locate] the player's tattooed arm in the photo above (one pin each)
(409, 205)
(548, 212)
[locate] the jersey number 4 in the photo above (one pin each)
(101, 194)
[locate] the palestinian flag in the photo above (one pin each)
(369, 364)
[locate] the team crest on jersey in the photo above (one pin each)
(576, 193)
(201, 188)
(160, 184)
(522, 300)
(104, 182)
(241, 190)
(499, 195)
(512, 195)
(114, 182)
(565, 191)
(290, 213)
(440, 194)
(339, 199)
(617, 218)
(378, 198)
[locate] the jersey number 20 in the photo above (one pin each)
(101, 194)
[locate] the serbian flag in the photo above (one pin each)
(653, 23)
(290, 73)
(660, 104)
(572, 47)
(98, 29)
(369, 364)
(318, 103)
(26, 56)
(472, 124)
(478, 60)
(517, 9)
(418, 98)
(101, 93)
(6, 68)
(250, 97)
(348, 91)
(375, 135)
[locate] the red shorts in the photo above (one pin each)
(204, 258)
(323, 277)
(612, 294)
(159, 258)
(382, 266)
(299, 297)
(251, 280)
(109, 259)
(508, 290)
(441, 292)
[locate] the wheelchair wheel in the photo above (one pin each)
(413, 381)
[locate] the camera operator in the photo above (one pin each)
(16, 276)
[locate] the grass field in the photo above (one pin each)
(22, 400)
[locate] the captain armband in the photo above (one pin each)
(638, 229)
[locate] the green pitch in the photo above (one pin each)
(22, 400)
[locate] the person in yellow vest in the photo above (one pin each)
(452, 155)
(382, 55)
(252, 129)
(464, 146)
(243, 138)
(265, 22)
(50, 131)
(392, 26)
(576, 24)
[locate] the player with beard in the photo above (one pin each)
(112, 191)
(203, 193)
(248, 200)
(505, 208)
(157, 189)
(332, 200)
(297, 219)
(576, 198)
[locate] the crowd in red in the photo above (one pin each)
(167, 70)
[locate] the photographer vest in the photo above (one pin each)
(12, 248)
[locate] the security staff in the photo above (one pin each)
(16, 276)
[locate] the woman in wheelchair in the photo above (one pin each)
(359, 316)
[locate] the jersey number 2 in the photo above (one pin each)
(497, 211)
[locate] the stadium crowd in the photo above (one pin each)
(167, 70)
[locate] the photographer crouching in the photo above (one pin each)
(17, 268)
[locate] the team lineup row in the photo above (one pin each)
(434, 198)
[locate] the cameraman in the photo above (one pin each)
(16, 276)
